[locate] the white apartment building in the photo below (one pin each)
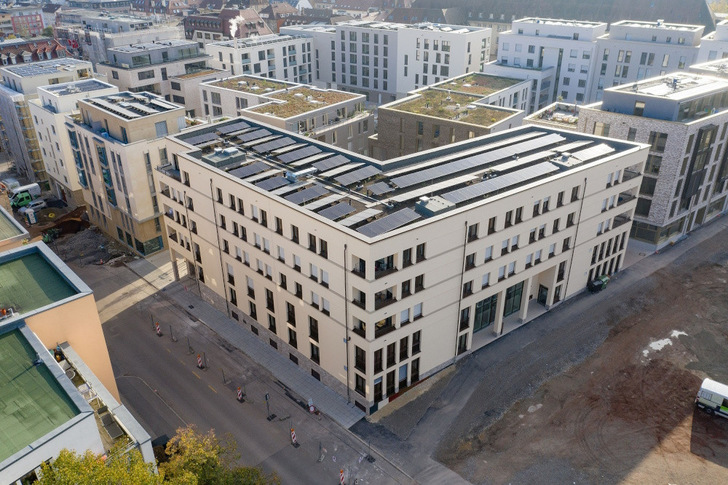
(185, 89)
(148, 67)
(715, 44)
(283, 57)
(326, 115)
(49, 112)
(559, 55)
(116, 141)
(683, 117)
(634, 50)
(19, 85)
(386, 60)
(374, 275)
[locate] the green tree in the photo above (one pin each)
(47, 32)
(204, 459)
(70, 469)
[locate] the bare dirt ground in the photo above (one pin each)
(625, 414)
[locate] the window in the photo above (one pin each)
(416, 341)
(420, 251)
(292, 340)
(360, 385)
(315, 356)
(290, 314)
(360, 360)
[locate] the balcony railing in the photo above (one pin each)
(383, 330)
(170, 171)
(629, 175)
(381, 302)
(624, 198)
(620, 220)
(360, 331)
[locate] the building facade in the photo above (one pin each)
(714, 45)
(374, 275)
(386, 61)
(567, 46)
(48, 114)
(116, 141)
(326, 115)
(282, 57)
(683, 118)
(147, 67)
(635, 50)
(19, 86)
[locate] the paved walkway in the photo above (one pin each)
(157, 270)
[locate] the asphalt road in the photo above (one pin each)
(160, 383)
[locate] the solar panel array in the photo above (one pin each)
(307, 194)
(240, 125)
(359, 216)
(200, 139)
(248, 170)
(272, 183)
(336, 211)
(253, 135)
(593, 152)
(330, 163)
(389, 222)
(357, 175)
(274, 144)
(518, 162)
(474, 161)
(379, 188)
(294, 155)
(498, 183)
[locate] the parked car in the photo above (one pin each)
(33, 206)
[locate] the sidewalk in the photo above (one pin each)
(157, 271)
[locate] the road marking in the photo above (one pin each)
(195, 373)
(168, 351)
(213, 389)
(181, 361)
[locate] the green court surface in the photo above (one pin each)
(29, 282)
(32, 402)
(7, 228)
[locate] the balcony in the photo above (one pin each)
(620, 220)
(383, 299)
(629, 175)
(360, 302)
(384, 329)
(360, 331)
(170, 171)
(624, 198)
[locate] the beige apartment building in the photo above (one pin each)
(327, 115)
(374, 275)
(457, 109)
(116, 141)
(49, 113)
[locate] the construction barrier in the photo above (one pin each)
(293, 437)
(157, 329)
(341, 477)
(240, 395)
(199, 361)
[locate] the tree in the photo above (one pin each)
(202, 459)
(47, 32)
(70, 468)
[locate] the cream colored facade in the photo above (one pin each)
(49, 112)
(116, 141)
(374, 306)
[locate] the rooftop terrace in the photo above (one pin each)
(30, 282)
(677, 86)
(32, 402)
(85, 86)
(302, 100)
(251, 84)
(131, 106)
(148, 46)
(451, 106)
(478, 83)
(373, 198)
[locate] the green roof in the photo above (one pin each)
(7, 228)
(32, 402)
(30, 282)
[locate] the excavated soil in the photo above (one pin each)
(626, 414)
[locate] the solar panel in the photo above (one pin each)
(336, 211)
(273, 145)
(500, 182)
(330, 163)
(294, 155)
(357, 175)
(240, 125)
(358, 217)
(200, 139)
(389, 222)
(379, 188)
(306, 195)
(510, 165)
(571, 146)
(324, 201)
(248, 170)
(253, 135)
(272, 183)
(474, 161)
(593, 152)
(287, 189)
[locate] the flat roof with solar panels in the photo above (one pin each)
(132, 106)
(374, 198)
(47, 67)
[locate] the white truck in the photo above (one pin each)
(713, 398)
(23, 195)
